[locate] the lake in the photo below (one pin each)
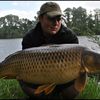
(9, 46)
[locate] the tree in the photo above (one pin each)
(97, 21)
(79, 19)
(90, 24)
(13, 27)
(68, 13)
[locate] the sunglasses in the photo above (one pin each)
(57, 18)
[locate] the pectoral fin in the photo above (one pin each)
(4, 77)
(45, 88)
(49, 89)
(80, 82)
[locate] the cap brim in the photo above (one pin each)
(53, 13)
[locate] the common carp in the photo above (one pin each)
(51, 65)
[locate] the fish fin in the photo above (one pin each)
(80, 82)
(44, 88)
(49, 89)
(40, 89)
(4, 77)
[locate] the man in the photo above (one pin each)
(49, 30)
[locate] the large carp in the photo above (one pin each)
(51, 65)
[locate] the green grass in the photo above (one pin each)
(10, 89)
(92, 90)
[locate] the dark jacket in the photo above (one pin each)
(35, 38)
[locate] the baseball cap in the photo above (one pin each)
(51, 9)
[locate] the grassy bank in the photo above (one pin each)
(10, 89)
(92, 90)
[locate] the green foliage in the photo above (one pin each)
(13, 27)
(81, 22)
(10, 89)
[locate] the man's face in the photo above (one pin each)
(49, 25)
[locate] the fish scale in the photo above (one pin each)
(57, 64)
(52, 59)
